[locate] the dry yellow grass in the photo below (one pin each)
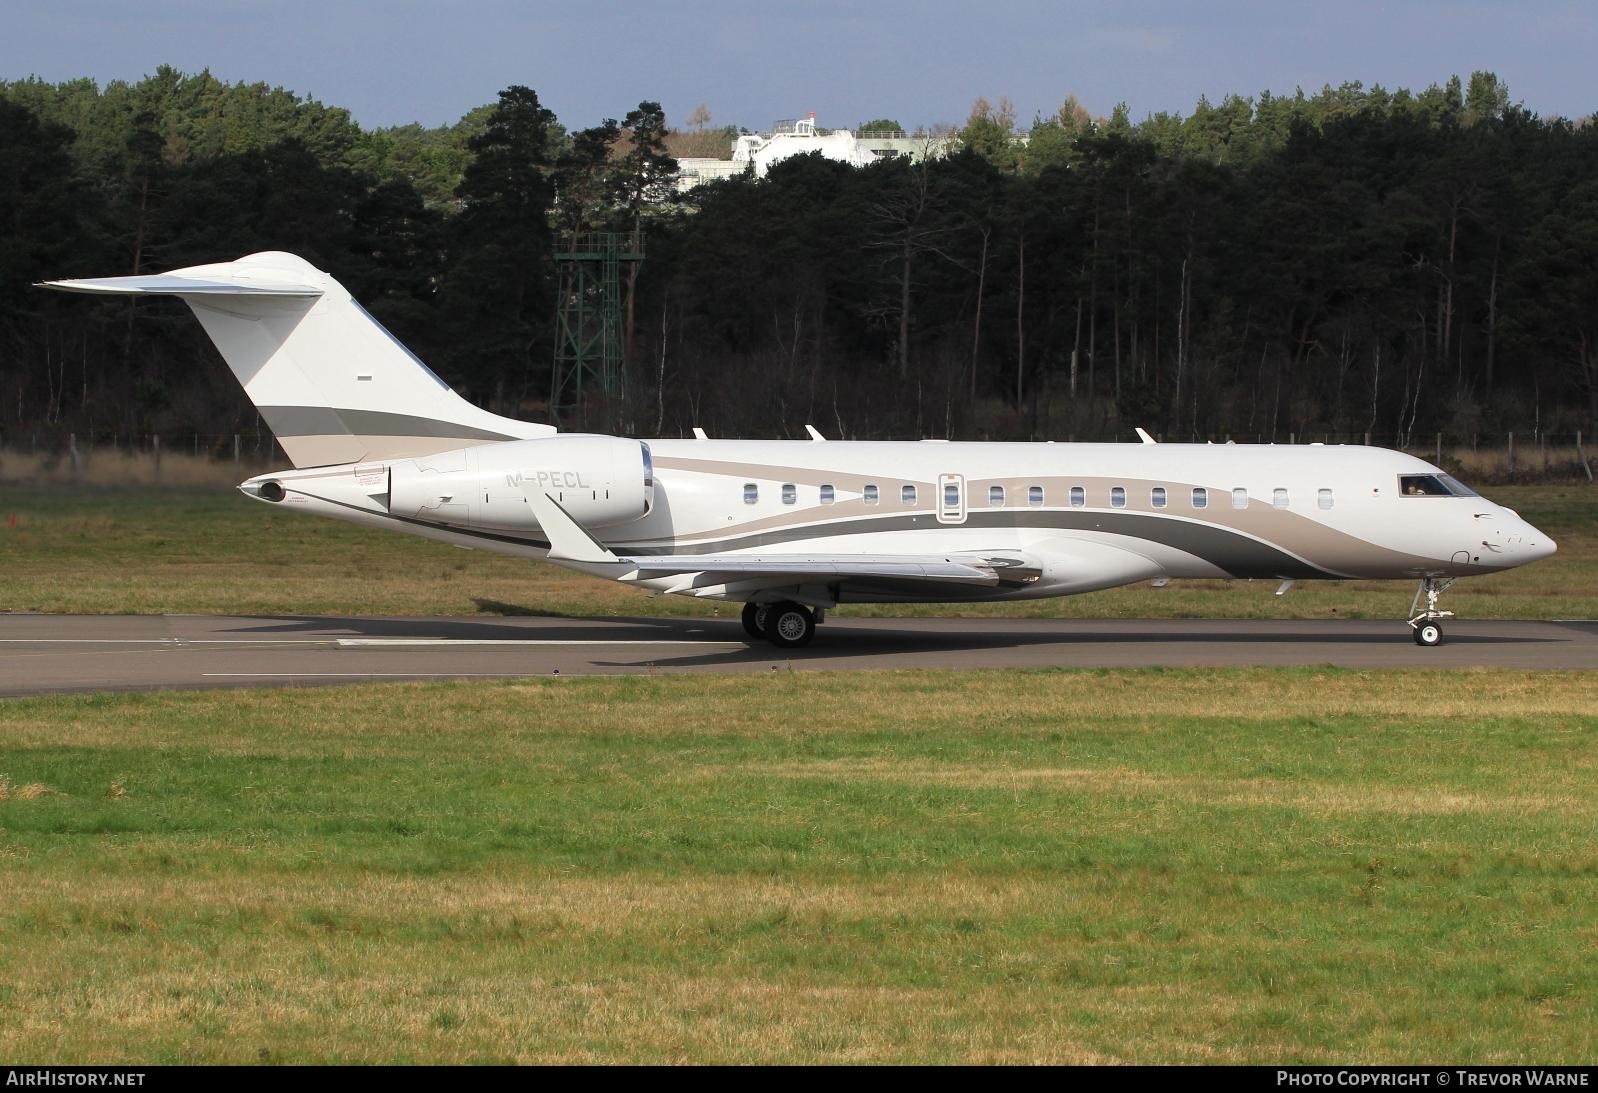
(720, 705)
(30, 792)
(1533, 462)
(104, 466)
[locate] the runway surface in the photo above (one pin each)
(48, 654)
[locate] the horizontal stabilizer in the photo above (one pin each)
(168, 284)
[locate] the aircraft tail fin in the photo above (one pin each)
(332, 384)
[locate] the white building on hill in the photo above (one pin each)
(758, 151)
(797, 138)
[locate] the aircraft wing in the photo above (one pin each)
(826, 568)
(742, 575)
(571, 545)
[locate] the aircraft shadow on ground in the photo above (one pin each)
(844, 643)
(929, 643)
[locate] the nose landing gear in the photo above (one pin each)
(1428, 624)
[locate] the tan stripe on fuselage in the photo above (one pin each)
(1321, 546)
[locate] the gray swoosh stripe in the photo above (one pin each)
(328, 421)
(1228, 550)
(1236, 554)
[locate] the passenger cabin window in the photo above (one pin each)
(869, 494)
(1157, 497)
(907, 495)
(951, 495)
(1034, 496)
(751, 493)
(1324, 498)
(1239, 498)
(1279, 497)
(1118, 497)
(996, 496)
(790, 493)
(828, 494)
(1079, 497)
(1432, 485)
(1201, 497)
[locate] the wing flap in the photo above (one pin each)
(826, 568)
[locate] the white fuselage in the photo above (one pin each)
(1078, 517)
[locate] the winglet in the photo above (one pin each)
(568, 541)
(1144, 437)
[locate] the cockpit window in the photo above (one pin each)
(1431, 485)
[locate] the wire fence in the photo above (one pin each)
(214, 458)
(147, 459)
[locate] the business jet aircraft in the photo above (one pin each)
(794, 528)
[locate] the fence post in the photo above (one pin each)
(155, 448)
(72, 454)
(1367, 438)
(1511, 453)
(1439, 449)
(1582, 455)
(235, 449)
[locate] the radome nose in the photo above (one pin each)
(1537, 544)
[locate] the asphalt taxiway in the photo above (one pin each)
(46, 654)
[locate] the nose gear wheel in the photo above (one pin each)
(1427, 626)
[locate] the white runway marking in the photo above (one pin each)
(163, 641)
(355, 675)
(359, 643)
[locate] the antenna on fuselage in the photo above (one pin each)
(1145, 438)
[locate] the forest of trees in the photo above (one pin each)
(1353, 261)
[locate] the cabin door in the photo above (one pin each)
(951, 499)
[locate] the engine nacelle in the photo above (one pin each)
(599, 480)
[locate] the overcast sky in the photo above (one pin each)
(917, 61)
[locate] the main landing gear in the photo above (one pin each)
(1428, 625)
(785, 625)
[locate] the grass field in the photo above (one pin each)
(1155, 866)
(146, 550)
